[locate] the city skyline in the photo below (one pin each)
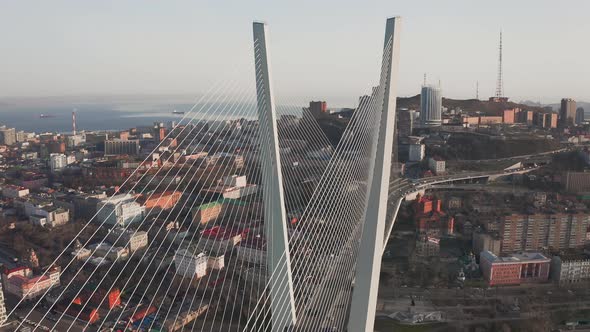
(246, 209)
(99, 49)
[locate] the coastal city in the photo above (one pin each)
(475, 218)
(160, 171)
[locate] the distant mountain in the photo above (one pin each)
(585, 105)
(532, 103)
(556, 106)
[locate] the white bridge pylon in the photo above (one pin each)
(368, 265)
(282, 299)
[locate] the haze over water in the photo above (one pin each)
(101, 115)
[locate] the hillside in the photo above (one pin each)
(468, 105)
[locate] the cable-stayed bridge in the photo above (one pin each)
(273, 228)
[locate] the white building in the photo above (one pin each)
(70, 159)
(133, 240)
(216, 263)
(109, 251)
(21, 136)
(137, 241)
(234, 187)
(436, 165)
(235, 181)
(57, 216)
(57, 161)
(51, 216)
(567, 270)
(81, 253)
(417, 152)
(120, 210)
(190, 265)
(239, 192)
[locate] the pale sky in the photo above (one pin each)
(320, 49)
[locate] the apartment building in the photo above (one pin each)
(568, 269)
(528, 232)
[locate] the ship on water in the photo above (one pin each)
(177, 112)
(44, 116)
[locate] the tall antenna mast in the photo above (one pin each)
(74, 121)
(500, 83)
(477, 90)
(424, 79)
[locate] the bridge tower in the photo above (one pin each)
(282, 300)
(368, 266)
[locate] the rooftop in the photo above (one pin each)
(255, 242)
(221, 233)
(523, 257)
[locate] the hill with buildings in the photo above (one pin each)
(470, 105)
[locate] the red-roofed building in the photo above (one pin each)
(21, 282)
(426, 204)
(161, 201)
(430, 218)
(100, 297)
(79, 311)
(514, 269)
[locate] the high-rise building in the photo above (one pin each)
(568, 269)
(436, 165)
(417, 152)
(7, 135)
(540, 120)
(117, 146)
(551, 120)
(21, 136)
(405, 122)
(159, 131)
(579, 115)
(57, 161)
(577, 182)
(567, 112)
(526, 232)
(526, 117)
(3, 316)
(545, 120)
(509, 116)
(431, 106)
(318, 108)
